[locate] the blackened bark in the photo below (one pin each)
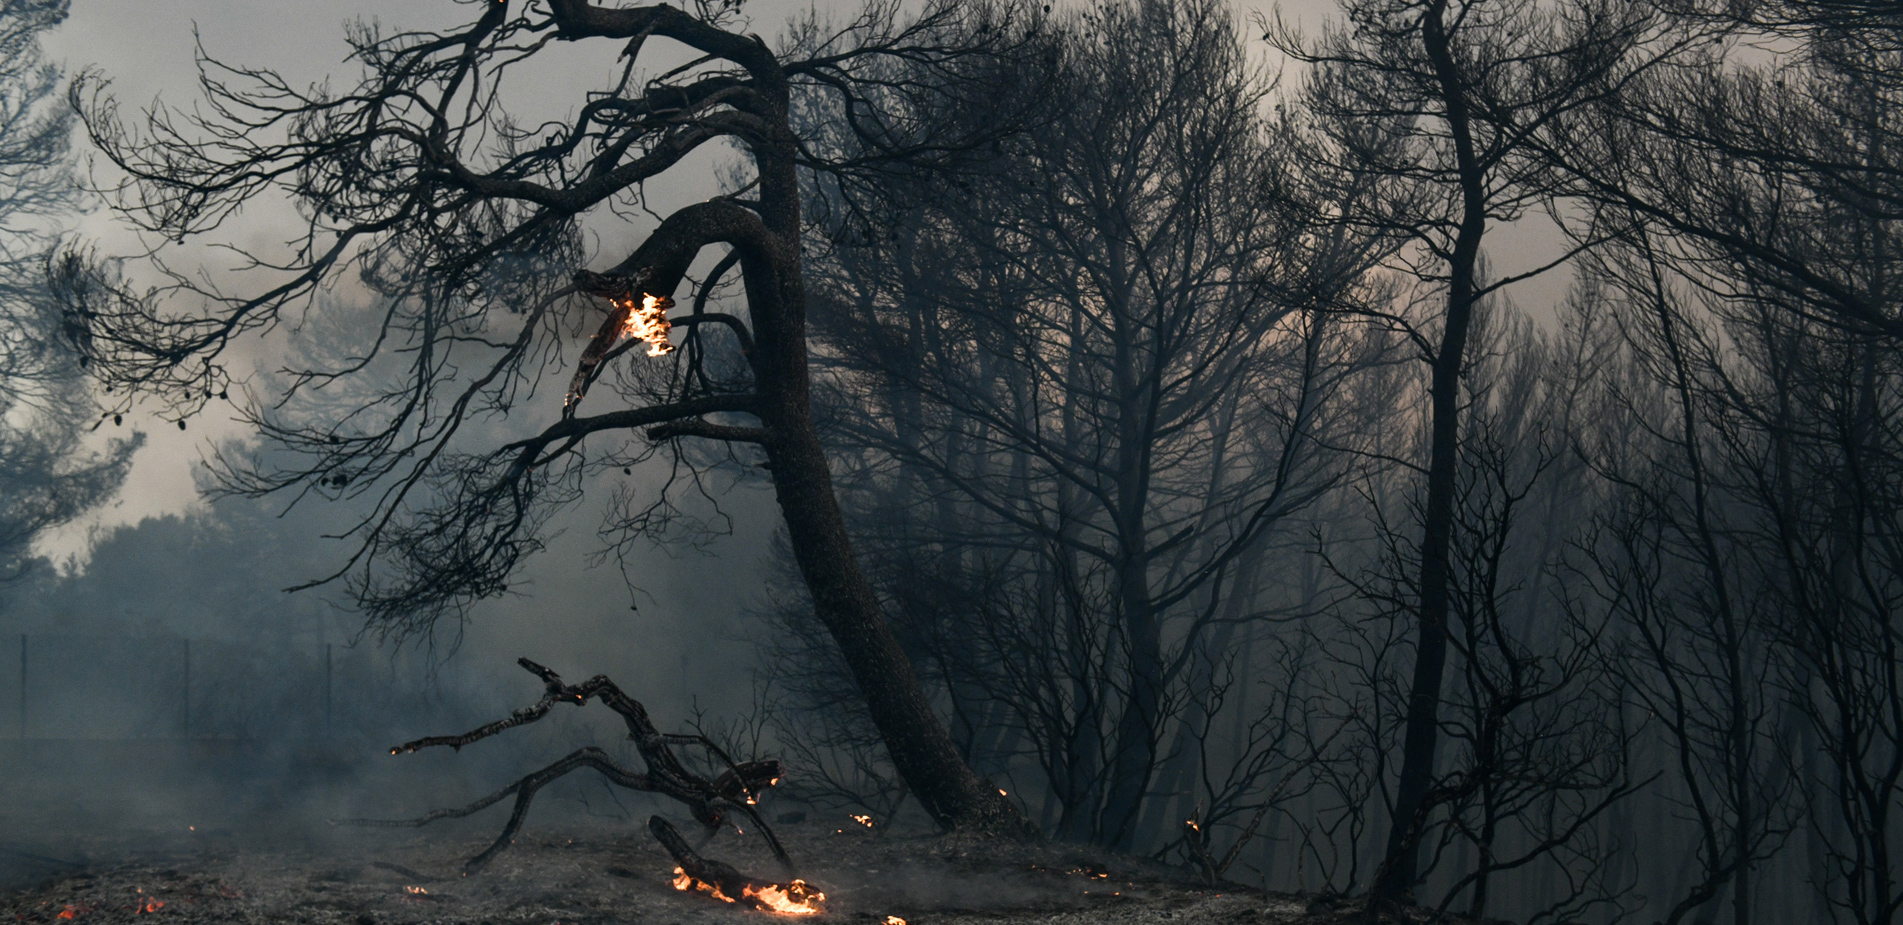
(918, 743)
(1399, 868)
(920, 747)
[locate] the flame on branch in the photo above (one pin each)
(635, 314)
(649, 323)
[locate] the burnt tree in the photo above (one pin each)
(1081, 393)
(466, 226)
(1447, 103)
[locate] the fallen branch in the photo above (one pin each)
(736, 788)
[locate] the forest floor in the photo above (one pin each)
(593, 875)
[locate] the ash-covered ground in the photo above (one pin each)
(160, 832)
(576, 874)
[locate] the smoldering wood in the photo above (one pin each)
(737, 788)
(731, 883)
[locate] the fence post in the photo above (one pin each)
(22, 685)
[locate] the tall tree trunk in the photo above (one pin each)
(1134, 761)
(1399, 868)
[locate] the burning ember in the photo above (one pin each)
(795, 898)
(644, 320)
(648, 322)
(414, 890)
(722, 882)
(863, 820)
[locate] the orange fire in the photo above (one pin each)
(684, 883)
(648, 322)
(863, 820)
(69, 912)
(894, 920)
(796, 898)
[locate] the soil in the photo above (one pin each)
(583, 875)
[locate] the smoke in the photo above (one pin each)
(174, 698)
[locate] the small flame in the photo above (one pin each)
(648, 322)
(684, 882)
(796, 898)
(894, 920)
(863, 820)
(415, 890)
(70, 912)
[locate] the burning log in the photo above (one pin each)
(723, 882)
(737, 788)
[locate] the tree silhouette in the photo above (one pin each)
(469, 226)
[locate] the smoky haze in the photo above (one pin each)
(172, 686)
(1349, 448)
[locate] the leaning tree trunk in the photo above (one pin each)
(920, 746)
(767, 239)
(917, 741)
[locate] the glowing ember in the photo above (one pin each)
(863, 820)
(68, 913)
(894, 920)
(414, 890)
(796, 898)
(648, 322)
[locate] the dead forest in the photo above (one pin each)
(1364, 460)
